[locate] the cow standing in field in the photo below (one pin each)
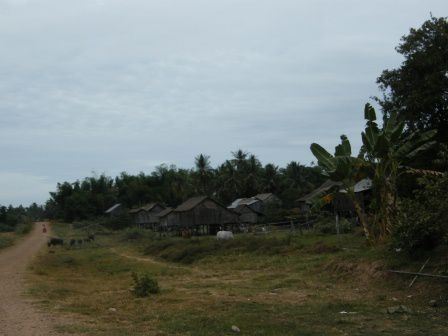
(55, 241)
(224, 235)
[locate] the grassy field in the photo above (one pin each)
(265, 285)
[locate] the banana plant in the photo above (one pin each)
(384, 152)
(343, 167)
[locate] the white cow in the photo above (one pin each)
(224, 235)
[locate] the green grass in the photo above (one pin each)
(265, 285)
(6, 239)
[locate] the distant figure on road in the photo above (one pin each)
(44, 228)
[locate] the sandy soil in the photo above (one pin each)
(18, 316)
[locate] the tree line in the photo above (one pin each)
(11, 217)
(242, 175)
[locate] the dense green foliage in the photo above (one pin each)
(423, 222)
(241, 176)
(418, 89)
(144, 285)
(14, 218)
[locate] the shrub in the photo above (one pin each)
(23, 228)
(135, 233)
(422, 223)
(144, 285)
(5, 242)
(6, 228)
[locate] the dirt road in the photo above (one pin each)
(18, 316)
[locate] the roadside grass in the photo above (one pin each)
(6, 239)
(9, 238)
(265, 285)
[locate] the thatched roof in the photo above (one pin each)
(191, 203)
(147, 207)
(150, 206)
(322, 190)
(165, 212)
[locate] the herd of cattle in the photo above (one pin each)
(54, 241)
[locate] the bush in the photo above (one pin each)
(422, 222)
(144, 285)
(135, 233)
(23, 228)
(6, 228)
(5, 242)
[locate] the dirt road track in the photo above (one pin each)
(18, 316)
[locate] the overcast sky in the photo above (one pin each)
(125, 85)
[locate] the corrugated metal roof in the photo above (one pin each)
(263, 197)
(365, 184)
(112, 208)
(240, 201)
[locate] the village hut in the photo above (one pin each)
(248, 215)
(305, 203)
(146, 216)
(203, 215)
(114, 210)
(339, 203)
(249, 210)
(167, 222)
(252, 202)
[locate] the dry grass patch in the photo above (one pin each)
(299, 291)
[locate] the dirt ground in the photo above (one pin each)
(18, 315)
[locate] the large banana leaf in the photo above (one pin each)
(390, 124)
(344, 149)
(413, 142)
(397, 132)
(422, 148)
(324, 158)
(382, 146)
(369, 112)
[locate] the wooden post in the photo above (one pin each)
(337, 223)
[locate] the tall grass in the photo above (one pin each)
(191, 250)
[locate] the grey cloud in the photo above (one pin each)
(84, 83)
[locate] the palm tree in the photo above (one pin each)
(204, 174)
